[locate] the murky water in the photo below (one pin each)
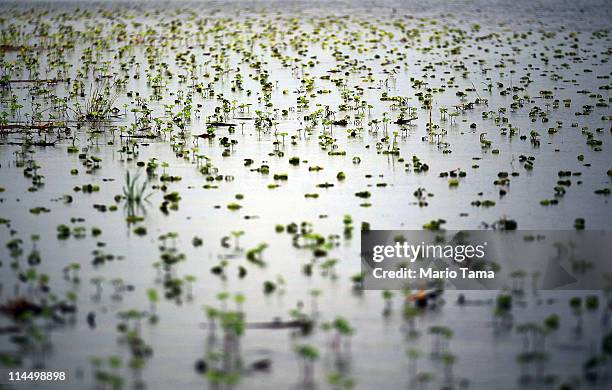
(564, 49)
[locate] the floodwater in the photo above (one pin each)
(528, 47)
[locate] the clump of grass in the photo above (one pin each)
(133, 191)
(98, 105)
(135, 194)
